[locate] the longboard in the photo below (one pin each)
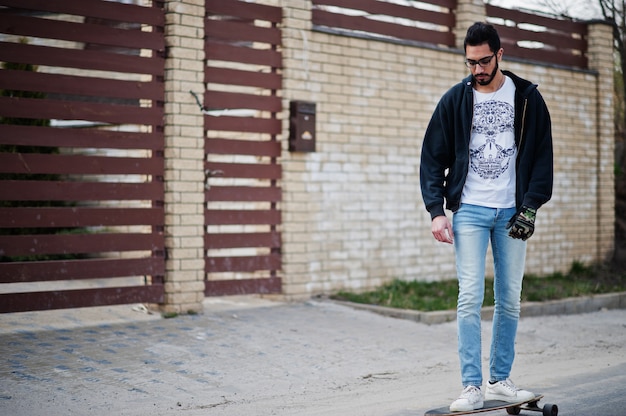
(511, 408)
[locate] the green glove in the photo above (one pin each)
(522, 224)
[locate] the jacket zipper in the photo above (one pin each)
(521, 136)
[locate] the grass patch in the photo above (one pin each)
(581, 280)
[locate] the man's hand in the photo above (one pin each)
(522, 224)
(442, 229)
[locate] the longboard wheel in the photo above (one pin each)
(550, 409)
(515, 410)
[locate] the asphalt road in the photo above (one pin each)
(601, 392)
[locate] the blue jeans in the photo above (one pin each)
(474, 227)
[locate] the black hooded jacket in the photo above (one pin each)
(445, 152)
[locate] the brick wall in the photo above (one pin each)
(353, 216)
(184, 154)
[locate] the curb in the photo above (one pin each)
(569, 306)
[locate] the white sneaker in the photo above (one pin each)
(506, 391)
(470, 399)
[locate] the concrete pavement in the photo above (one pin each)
(250, 356)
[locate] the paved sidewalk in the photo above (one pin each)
(249, 356)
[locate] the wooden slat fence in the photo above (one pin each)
(243, 173)
(533, 37)
(428, 21)
(540, 38)
(81, 154)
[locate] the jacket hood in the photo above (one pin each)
(524, 87)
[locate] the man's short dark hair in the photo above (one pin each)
(479, 33)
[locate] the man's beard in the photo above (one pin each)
(491, 76)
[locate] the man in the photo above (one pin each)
(488, 152)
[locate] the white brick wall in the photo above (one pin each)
(184, 153)
(352, 211)
(353, 216)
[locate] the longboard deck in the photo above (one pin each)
(489, 406)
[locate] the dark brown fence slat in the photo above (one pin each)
(363, 24)
(244, 170)
(79, 191)
(84, 86)
(244, 55)
(564, 41)
(42, 217)
(519, 16)
(22, 245)
(226, 100)
(235, 31)
(67, 110)
(243, 194)
(382, 7)
(31, 301)
(244, 10)
(242, 147)
(30, 163)
(545, 55)
(393, 10)
(94, 8)
(267, 80)
(80, 32)
(243, 217)
(368, 23)
(243, 286)
(47, 271)
(221, 241)
(81, 59)
(243, 124)
(450, 4)
(243, 264)
(79, 138)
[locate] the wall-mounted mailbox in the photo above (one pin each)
(302, 126)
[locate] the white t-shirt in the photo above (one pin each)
(491, 178)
